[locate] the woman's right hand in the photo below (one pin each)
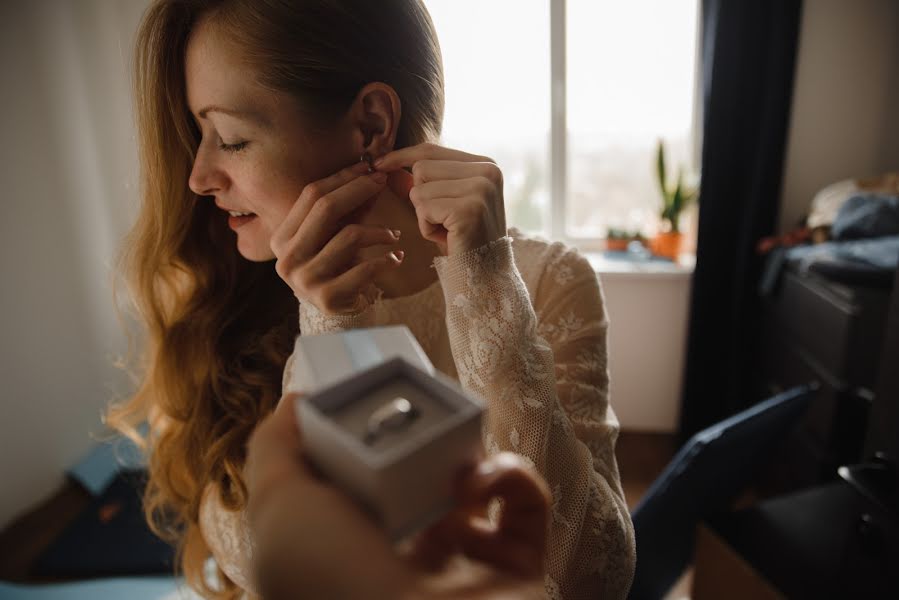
(318, 255)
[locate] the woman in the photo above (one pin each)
(252, 119)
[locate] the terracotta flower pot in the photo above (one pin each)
(667, 244)
(617, 245)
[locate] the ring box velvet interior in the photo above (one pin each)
(404, 476)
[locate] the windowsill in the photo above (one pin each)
(619, 264)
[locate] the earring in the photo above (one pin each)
(367, 158)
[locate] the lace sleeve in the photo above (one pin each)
(315, 322)
(546, 387)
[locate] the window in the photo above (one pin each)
(620, 74)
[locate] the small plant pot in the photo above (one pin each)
(667, 245)
(617, 245)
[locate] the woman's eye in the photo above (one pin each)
(233, 147)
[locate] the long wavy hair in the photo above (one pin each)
(217, 329)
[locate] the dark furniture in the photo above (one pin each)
(828, 541)
(817, 329)
(834, 540)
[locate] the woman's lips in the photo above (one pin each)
(239, 221)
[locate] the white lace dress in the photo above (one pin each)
(521, 322)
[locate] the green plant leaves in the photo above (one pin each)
(673, 200)
(660, 165)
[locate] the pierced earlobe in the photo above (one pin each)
(367, 158)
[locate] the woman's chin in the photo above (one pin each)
(254, 250)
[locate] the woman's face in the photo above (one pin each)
(257, 152)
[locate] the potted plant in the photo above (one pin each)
(617, 240)
(675, 199)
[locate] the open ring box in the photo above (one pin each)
(401, 466)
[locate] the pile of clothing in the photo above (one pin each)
(851, 235)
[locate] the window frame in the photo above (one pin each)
(558, 148)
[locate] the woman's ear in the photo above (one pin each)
(375, 115)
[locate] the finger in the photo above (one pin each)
(344, 294)
(309, 195)
(437, 215)
(277, 431)
(407, 157)
(452, 188)
(431, 548)
(518, 543)
(433, 231)
(507, 477)
(323, 220)
(343, 248)
(284, 415)
(436, 170)
(274, 450)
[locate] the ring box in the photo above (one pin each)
(322, 360)
(405, 477)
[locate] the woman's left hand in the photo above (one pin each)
(458, 197)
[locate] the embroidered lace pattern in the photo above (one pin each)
(520, 322)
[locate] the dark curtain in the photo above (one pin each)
(748, 56)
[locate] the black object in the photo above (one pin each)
(816, 329)
(883, 427)
(704, 477)
(748, 56)
(828, 541)
(853, 273)
(109, 538)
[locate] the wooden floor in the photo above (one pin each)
(26, 538)
(641, 457)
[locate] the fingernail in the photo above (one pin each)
(396, 233)
(379, 177)
(398, 255)
(379, 161)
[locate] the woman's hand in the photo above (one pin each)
(458, 197)
(318, 256)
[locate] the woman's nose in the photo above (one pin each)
(206, 178)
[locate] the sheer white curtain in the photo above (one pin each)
(68, 183)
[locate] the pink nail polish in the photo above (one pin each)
(399, 254)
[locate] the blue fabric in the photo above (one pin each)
(110, 538)
(705, 476)
(879, 253)
(96, 470)
(867, 216)
(132, 588)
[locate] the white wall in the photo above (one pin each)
(68, 192)
(647, 343)
(845, 115)
(647, 305)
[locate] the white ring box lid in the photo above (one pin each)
(408, 484)
(323, 360)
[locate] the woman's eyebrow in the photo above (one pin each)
(246, 115)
